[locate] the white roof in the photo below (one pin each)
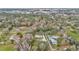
(53, 41)
(53, 37)
(38, 36)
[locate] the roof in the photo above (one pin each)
(53, 37)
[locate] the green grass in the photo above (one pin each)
(74, 35)
(8, 47)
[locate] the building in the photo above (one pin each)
(53, 39)
(40, 37)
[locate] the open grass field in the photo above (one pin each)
(8, 47)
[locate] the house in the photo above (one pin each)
(1, 43)
(53, 39)
(40, 37)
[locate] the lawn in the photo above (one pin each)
(74, 35)
(7, 47)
